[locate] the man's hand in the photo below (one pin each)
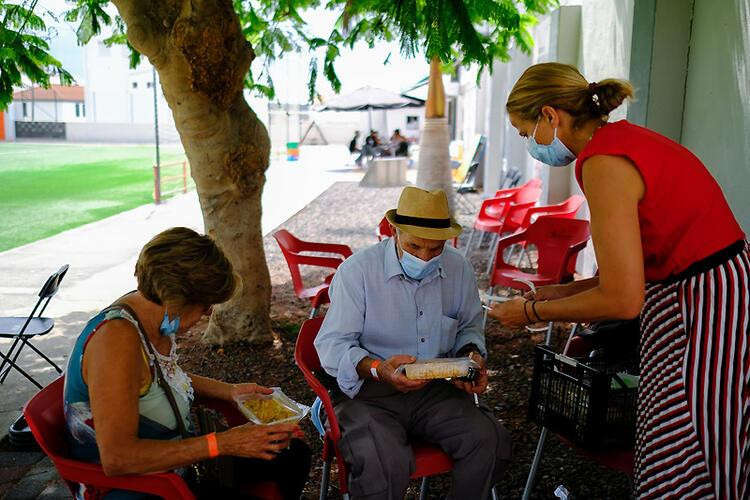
(479, 385)
(388, 373)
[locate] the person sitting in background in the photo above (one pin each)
(399, 144)
(370, 148)
(117, 410)
(353, 143)
(409, 297)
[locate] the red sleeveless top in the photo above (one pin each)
(683, 215)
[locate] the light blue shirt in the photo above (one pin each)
(377, 311)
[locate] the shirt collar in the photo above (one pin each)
(393, 267)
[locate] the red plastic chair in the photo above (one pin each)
(558, 242)
(385, 230)
(535, 182)
(293, 249)
(44, 414)
(565, 210)
(430, 460)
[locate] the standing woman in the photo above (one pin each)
(668, 248)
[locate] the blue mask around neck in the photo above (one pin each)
(416, 268)
(169, 328)
(554, 154)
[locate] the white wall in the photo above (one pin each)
(49, 111)
(110, 132)
(716, 121)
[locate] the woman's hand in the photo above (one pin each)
(511, 314)
(237, 390)
(479, 385)
(257, 441)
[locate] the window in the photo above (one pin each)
(25, 111)
(83, 108)
(135, 85)
(78, 110)
(412, 123)
(149, 85)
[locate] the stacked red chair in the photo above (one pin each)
(294, 252)
(565, 210)
(558, 243)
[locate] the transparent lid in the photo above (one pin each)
(276, 408)
(426, 369)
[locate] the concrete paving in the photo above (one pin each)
(102, 257)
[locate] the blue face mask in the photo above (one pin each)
(554, 154)
(416, 268)
(169, 328)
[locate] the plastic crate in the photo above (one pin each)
(575, 398)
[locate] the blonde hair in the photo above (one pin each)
(562, 86)
(180, 267)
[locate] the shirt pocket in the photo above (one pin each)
(448, 330)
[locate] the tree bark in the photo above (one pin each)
(201, 55)
(434, 168)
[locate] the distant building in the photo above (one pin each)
(59, 103)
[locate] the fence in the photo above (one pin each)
(171, 178)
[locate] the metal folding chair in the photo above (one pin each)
(22, 329)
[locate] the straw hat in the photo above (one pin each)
(424, 214)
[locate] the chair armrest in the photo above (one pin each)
(544, 210)
(314, 260)
(165, 484)
(506, 241)
(336, 248)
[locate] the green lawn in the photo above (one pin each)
(48, 188)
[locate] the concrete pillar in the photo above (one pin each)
(495, 119)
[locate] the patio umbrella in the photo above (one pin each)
(369, 98)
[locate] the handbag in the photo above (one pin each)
(208, 477)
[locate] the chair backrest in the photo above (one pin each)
(569, 208)
(290, 247)
(49, 289)
(46, 419)
(384, 229)
(308, 362)
(527, 194)
(558, 241)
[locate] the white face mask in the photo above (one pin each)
(416, 268)
(554, 154)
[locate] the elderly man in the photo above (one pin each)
(408, 298)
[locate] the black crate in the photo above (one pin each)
(575, 398)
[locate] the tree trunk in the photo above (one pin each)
(202, 57)
(434, 169)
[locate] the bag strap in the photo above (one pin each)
(159, 373)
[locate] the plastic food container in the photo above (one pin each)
(426, 369)
(276, 408)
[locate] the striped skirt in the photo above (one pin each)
(693, 429)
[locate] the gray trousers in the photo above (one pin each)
(378, 424)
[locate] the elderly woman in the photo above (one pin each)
(116, 410)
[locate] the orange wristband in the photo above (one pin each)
(213, 445)
(374, 369)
